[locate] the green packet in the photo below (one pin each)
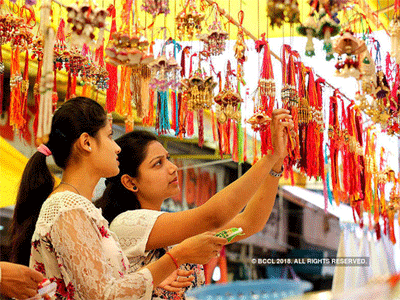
(230, 234)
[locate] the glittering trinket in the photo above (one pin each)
(188, 21)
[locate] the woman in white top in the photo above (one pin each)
(71, 243)
(132, 199)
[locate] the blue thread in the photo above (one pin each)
(327, 179)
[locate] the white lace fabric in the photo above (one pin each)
(73, 246)
(133, 229)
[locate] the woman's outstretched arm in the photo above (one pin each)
(224, 206)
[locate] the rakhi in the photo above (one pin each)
(279, 12)
(228, 100)
(348, 47)
(309, 29)
(84, 19)
(156, 7)
(215, 39)
(127, 50)
(188, 21)
(165, 73)
(290, 101)
(266, 98)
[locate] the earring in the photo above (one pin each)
(135, 189)
(90, 148)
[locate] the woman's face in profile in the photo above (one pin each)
(158, 176)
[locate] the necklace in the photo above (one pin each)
(62, 182)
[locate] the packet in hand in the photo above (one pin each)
(230, 234)
(46, 290)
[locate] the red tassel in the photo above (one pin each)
(235, 150)
(112, 91)
(378, 231)
(245, 144)
(201, 127)
(190, 125)
(174, 111)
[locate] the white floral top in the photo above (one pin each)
(133, 228)
(72, 245)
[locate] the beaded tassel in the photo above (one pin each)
(162, 125)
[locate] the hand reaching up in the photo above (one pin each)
(281, 124)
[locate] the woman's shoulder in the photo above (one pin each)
(141, 218)
(61, 202)
(67, 200)
(136, 216)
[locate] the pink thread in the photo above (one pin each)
(44, 149)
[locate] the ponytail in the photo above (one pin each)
(37, 183)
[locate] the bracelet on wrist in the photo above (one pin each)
(174, 260)
(276, 174)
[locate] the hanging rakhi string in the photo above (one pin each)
(112, 91)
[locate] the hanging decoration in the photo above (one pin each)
(394, 31)
(215, 39)
(327, 25)
(47, 79)
(199, 88)
(349, 48)
(264, 104)
(283, 11)
(112, 91)
(309, 29)
(188, 21)
(156, 7)
(315, 126)
(165, 73)
(290, 101)
(228, 100)
(327, 29)
(240, 49)
(18, 34)
(127, 50)
(198, 93)
(84, 19)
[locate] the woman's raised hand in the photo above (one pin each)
(199, 249)
(281, 124)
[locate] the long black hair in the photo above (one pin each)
(71, 119)
(116, 198)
